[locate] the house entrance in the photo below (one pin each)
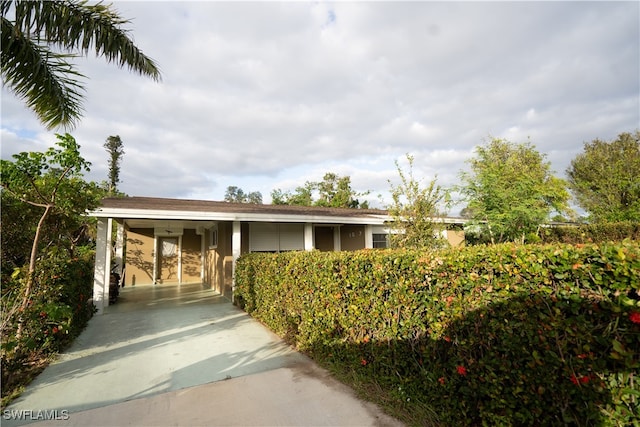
(168, 263)
(323, 237)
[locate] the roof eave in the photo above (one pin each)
(124, 213)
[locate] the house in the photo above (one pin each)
(173, 241)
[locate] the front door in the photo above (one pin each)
(324, 238)
(168, 249)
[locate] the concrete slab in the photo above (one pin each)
(182, 355)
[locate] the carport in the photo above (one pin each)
(156, 241)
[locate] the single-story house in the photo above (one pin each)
(172, 241)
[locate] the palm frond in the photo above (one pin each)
(43, 79)
(76, 26)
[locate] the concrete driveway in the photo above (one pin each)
(170, 355)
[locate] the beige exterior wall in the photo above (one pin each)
(219, 260)
(191, 260)
(139, 257)
(352, 237)
(455, 237)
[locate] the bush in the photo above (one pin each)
(499, 335)
(58, 311)
(592, 233)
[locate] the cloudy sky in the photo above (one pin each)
(272, 94)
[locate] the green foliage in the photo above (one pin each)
(237, 195)
(484, 335)
(50, 182)
(42, 38)
(511, 191)
(415, 211)
(114, 147)
(57, 312)
(333, 191)
(605, 178)
(592, 233)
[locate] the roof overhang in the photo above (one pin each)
(124, 213)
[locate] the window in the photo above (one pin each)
(169, 246)
(213, 237)
(274, 237)
(380, 241)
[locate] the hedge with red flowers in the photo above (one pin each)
(58, 311)
(493, 335)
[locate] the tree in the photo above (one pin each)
(511, 191)
(115, 149)
(38, 43)
(50, 181)
(415, 211)
(237, 195)
(302, 196)
(605, 178)
(333, 191)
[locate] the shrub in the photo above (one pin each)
(493, 335)
(57, 312)
(592, 233)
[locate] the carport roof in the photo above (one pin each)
(164, 208)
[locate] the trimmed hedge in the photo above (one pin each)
(484, 335)
(592, 233)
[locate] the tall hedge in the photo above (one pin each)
(592, 233)
(500, 335)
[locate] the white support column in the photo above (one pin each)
(202, 255)
(156, 242)
(368, 236)
(308, 237)
(180, 260)
(119, 249)
(236, 243)
(101, 273)
(337, 245)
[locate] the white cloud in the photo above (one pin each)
(268, 95)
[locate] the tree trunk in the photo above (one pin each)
(32, 271)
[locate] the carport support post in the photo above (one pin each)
(101, 273)
(308, 237)
(368, 236)
(119, 248)
(236, 242)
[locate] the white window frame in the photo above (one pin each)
(213, 237)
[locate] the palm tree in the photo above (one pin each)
(43, 36)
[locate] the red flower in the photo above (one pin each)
(364, 362)
(55, 330)
(461, 370)
(441, 380)
(447, 339)
(574, 380)
(634, 317)
(584, 380)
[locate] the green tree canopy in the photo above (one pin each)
(415, 211)
(511, 190)
(41, 39)
(237, 195)
(52, 183)
(605, 178)
(333, 191)
(115, 148)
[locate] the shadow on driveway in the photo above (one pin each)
(160, 340)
